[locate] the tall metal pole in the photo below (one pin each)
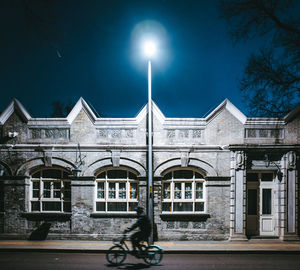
(150, 169)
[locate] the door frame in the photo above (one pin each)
(264, 223)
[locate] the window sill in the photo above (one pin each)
(113, 215)
(184, 216)
(38, 216)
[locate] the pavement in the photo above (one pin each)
(188, 247)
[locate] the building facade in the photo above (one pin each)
(221, 177)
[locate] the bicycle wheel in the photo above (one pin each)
(153, 255)
(116, 255)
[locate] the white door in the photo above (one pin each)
(267, 222)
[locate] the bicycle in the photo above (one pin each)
(151, 254)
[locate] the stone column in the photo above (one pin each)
(16, 191)
(237, 196)
(82, 189)
(290, 178)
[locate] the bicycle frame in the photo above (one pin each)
(151, 254)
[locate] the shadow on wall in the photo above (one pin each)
(41, 232)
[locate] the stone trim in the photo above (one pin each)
(184, 217)
(47, 216)
(113, 215)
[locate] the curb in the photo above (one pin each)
(49, 250)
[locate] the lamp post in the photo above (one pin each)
(150, 49)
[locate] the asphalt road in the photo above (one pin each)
(88, 261)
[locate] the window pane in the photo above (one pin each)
(167, 176)
(67, 206)
(199, 191)
(47, 194)
(57, 185)
(183, 207)
(36, 193)
(122, 190)
(67, 185)
(133, 190)
(117, 174)
(36, 175)
(100, 194)
(51, 206)
(166, 207)
(101, 175)
(183, 174)
(252, 177)
(100, 190)
(267, 177)
(36, 185)
(167, 191)
(57, 194)
(116, 206)
(132, 176)
(100, 206)
(188, 191)
(112, 191)
(198, 175)
(132, 206)
(177, 191)
(47, 185)
(252, 201)
(67, 194)
(35, 206)
(51, 174)
(65, 175)
(199, 207)
(267, 201)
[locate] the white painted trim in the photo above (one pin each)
(15, 105)
(231, 108)
(81, 104)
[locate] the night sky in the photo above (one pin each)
(67, 49)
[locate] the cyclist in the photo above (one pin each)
(144, 225)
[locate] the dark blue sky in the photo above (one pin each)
(65, 49)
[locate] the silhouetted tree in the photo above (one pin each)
(271, 81)
(61, 109)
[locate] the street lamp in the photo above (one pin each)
(150, 50)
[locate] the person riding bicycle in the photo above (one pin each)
(144, 225)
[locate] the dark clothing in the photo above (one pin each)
(136, 238)
(144, 225)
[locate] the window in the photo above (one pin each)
(50, 191)
(183, 191)
(116, 191)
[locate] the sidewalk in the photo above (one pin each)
(252, 246)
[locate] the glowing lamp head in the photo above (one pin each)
(150, 48)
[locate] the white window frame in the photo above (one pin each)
(41, 199)
(106, 200)
(172, 181)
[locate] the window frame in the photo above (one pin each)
(41, 199)
(117, 181)
(172, 200)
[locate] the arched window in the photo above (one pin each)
(50, 191)
(116, 191)
(183, 191)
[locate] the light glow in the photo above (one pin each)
(150, 48)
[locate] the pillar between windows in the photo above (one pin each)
(82, 202)
(290, 178)
(237, 197)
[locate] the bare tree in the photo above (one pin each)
(271, 81)
(61, 109)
